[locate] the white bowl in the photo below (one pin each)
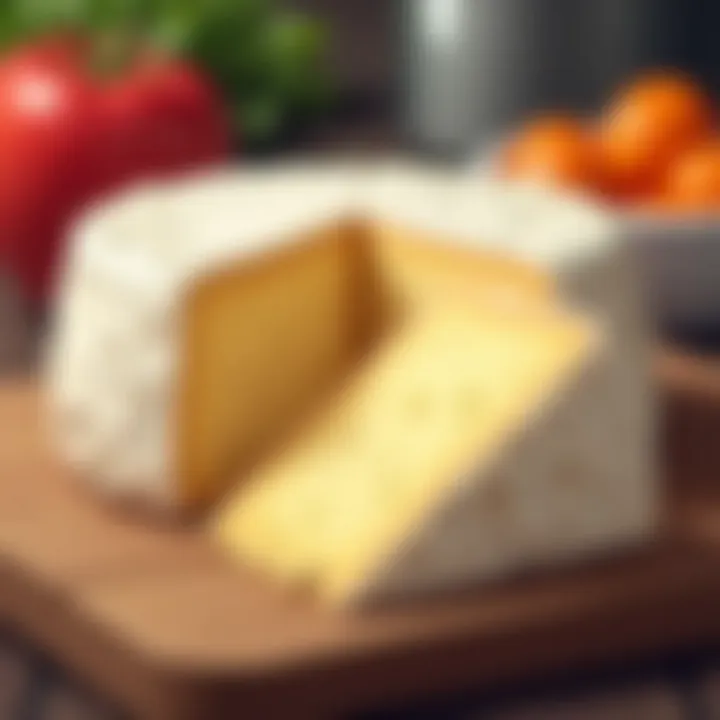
(677, 259)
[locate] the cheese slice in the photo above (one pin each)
(435, 464)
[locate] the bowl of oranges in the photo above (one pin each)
(652, 156)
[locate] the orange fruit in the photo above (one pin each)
(557, 150)
(693, 180)
(647, 125)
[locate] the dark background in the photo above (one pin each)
(369, 40)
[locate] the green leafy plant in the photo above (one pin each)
(269, 62)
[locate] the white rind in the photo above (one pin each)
(111, 365)
(558, 491)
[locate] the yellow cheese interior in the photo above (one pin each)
(442, 395)
(263, 341)
(268, 341)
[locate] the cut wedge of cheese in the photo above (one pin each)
(221, 335)
(419, 476)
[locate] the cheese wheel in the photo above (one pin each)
(206, 324)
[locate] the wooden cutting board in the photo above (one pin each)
(155, 618)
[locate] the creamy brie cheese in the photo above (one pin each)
(200, 320)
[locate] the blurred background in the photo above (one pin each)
(442, 72)
(451, 72)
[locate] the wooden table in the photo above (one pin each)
(156, 619)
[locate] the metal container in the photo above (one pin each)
(474, 67)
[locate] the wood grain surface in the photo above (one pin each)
(157, 619)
